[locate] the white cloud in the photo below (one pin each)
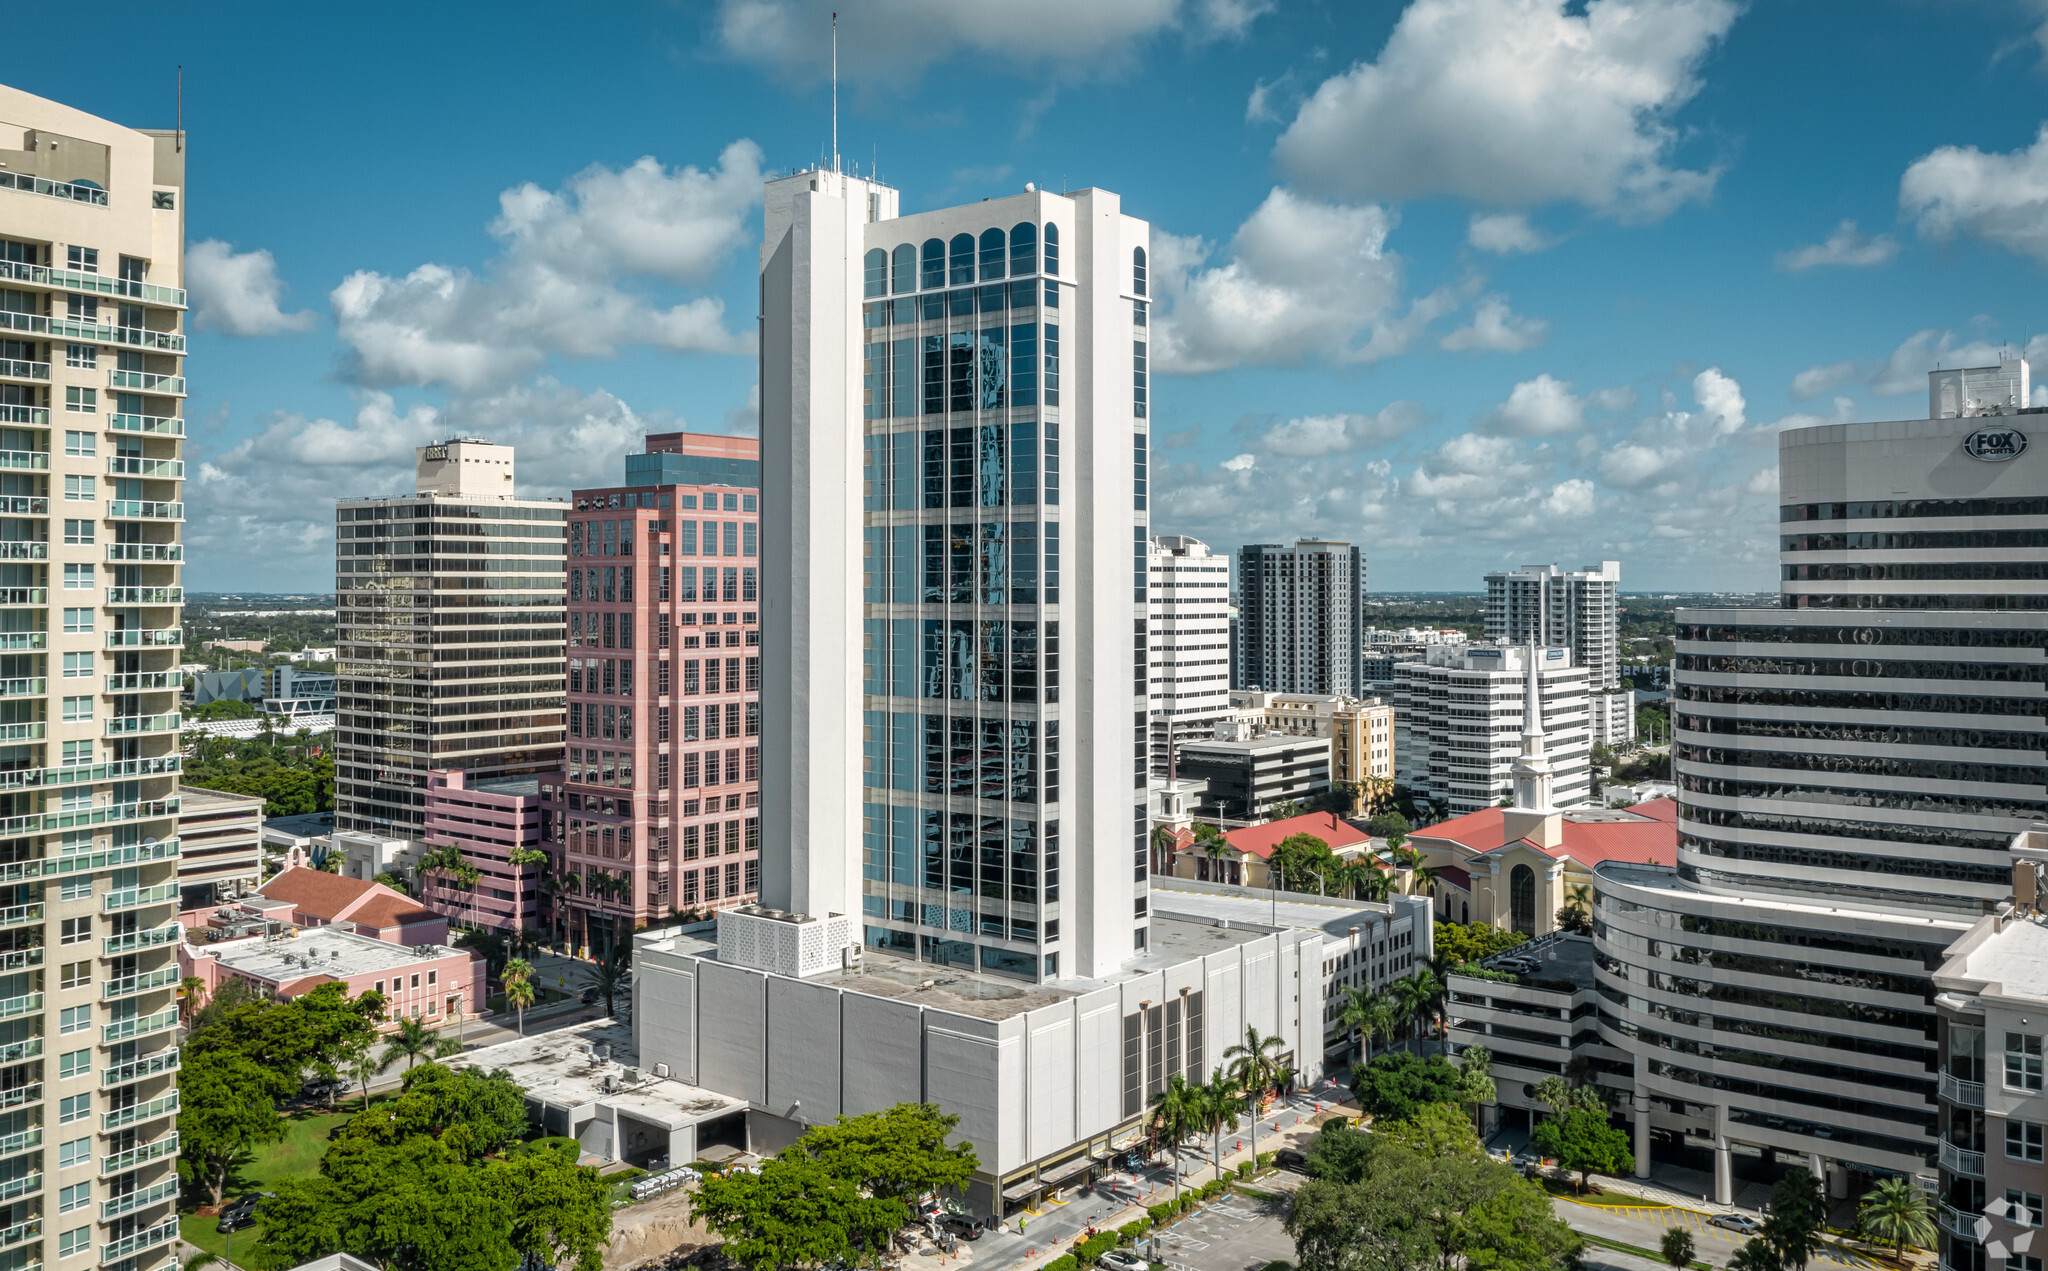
(1905, 369)
(1763, 481)
(1846, 246)
(2001, 199)
(892, 42)
(555, 288)
(1720, 398)
(1506, 232)
(1496, 329)
(1239, 463)
(1815, 380)
(239, 293)
(1573, 498)
(1516, 103)
(1303, 280)
(1663, 446)
(1542, 407)
(1312, 436)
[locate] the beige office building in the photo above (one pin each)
(1361, 730)
(92, 351)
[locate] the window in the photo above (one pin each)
(877, 273)
(73, 1063)
(78, 532)
(85, 260)
(75, 1152)
(84, 355)
(903, 269)
(77, 666)
(80, 444)
(75, 1108)
(1138, 270)
(1052, 255)
(79, 886)
(77, 708)
(78, 578)
(2022, 1061)
(1023, 250)
(81, 489)
(932, 268)
(74, 931)
(2023, 1141)
(82, 401)
(76, 975)
(76, 1240)
(77, 621)
(76, 1196)
(2023, 1208)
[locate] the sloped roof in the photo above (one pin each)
(391, 911)
(316, 893)
(1663, 809)
(1260, 840)
(1644, 833)
(1459, 878)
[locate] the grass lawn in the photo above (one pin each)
(297, 1155)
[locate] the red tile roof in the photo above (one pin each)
(1653, 838)
(1480, 831)
(316, 893)
(1662, 809)
(1260, 840)
(384, 912)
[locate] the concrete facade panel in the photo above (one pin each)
(731, 1008)
(804, 1039)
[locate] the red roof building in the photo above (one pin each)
(1517, 883)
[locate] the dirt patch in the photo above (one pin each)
(655, 1231)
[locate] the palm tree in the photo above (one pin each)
(520, 858)
(414, 1041)
(1897, 1212)
(469, 875)
(1423, 881)
(572, 885)
(1364, 1011)
(191, 994)
(440, 860)
(610, 978)
(359, 1063)
(1411, 1000)
(1176, 1112)
(518, 979)
(1369, 881)
(1252, 1069)
(1475, 1080)
(1219, 1109)
(1756, 1254)
(1215, 849)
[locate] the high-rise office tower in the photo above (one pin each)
(979, 385)
(1577, 609)
(1459, 716)
(1189, 628)
(1852, 770)
(662, 794)
(449, 621)
(1301, 618)
(92, 348)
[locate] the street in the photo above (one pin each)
(1644, 1227)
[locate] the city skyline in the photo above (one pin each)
(1688, 240)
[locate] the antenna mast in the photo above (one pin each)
(835, 91)
(181, 109)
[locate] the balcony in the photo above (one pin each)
(24, 732)
(98, 332)
(14, 1052)
(127, 725)
(16, 1144)
(34, 416)
(146, 982)
(25, 460)
(1955, 1222)
(23, 549)
(32, 687)
(147, 382)
(24, 595)
(114, 857)
(147, 553)
(162, 425)
(15, 1096)
(20, 1231)
(71, 280)
(145, 595)
(108, 814)
(1961, 1160)
(144, 510)
(161, 1106)
(20, 960)
(26, 1004)
(77, 192)
(129, 1246)
(159, 766)
(139, 898)
(161, 1062)
(121, 1162)
(135, 941)
(15, 368)
(142, 682)
(27, 1185)
(20, 915)
(24, 505)
(146, 638)
(132, 466)
(1964, 1094)
(154, 1194)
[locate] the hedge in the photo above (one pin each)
(1094, 1247)
(1130, 1231)
(1244, 1169)
(1160, 1213)
(1065, 1262)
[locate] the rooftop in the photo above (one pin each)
(1260, 840)
(1644, 834)
(1262, 912)
(1251, 746)
(199, 799)
(2011, 960)
(559, 1070)
(319, 951)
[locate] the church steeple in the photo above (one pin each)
(1532, 817)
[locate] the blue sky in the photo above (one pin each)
(1470, 282)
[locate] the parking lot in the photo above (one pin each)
(1236, 1233)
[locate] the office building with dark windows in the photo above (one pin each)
(449, 622)
(1301, 618)
(658, 808)
(1852, 769)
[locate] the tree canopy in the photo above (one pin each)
(1396, 1086)
(290, 777)
(1582, 1140)
(1458, 943)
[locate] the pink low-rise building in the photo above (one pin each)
(487, 820)
(318, 899)
(432, 983)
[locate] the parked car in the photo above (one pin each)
(589, 997)
(965, 1226)
(1289, 1159)
(239, 1213)
(1121, 1260)
(1740, 1224)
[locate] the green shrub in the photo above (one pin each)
(1160, 1213)
(1094, 1247)
(1063, 1263)
(1244, 1169)
(1187, 1201)
(1265, 1160)
(1130, 1231)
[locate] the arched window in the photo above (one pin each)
(1522, 899)
(963, 258)
(1023, 250)
(1052, 249)
(1138, 270)
(878, 272)
(903, 270)
(934, 274)
(991, 254)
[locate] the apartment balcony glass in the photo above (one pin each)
(148, 553)
(144, 510)
(139, 898)
(147, 382)
(27, 1185)
(16, 1144)
(20, 915)
(24, 732)
(20, 960)
(24, 595)
(161, 1106)
(110, 814)
(145, 595)
(24, 505)
(33, 687)
(132, 466)
(89, 774)
(39, 416)
(128, 1247)
(15, 1096)
(15, 368)
(142, 682)
(114, 857)
(146, 982)
(76, 191)
(155, 1194)
(26, 1004)
(27, 1048)
(146, 637)
(23, 549)
(93, 332)
(97, 284)
(134, 941)
(24, 459)
(121, 1162)
(20, 1231)
(1964, 1094)
(125, 725)
(1961, 1160)
(161, 1062)
(164, 425)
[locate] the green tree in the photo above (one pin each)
(1389, 825)
(794, 1213)
(1756, 1254)
(610, 978)
(225, 708)
(1407, 1209)
(1677, 1246)
(1576, 915)
(1475, 1078)
(1176, 1113)
(1302, 862)
(518, 978)
(900, 1153)
(1367, 1014)
(1340, 1154)
(1252, 1065)
(1219, 1111)
(224, 1110)
(1435, 1129)
(1897, 1213)
(1397, 1085)
(1584, 1142)
(1799, 1213)
(414, 1041)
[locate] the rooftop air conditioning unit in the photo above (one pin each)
(661, 1070)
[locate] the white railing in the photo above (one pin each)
(1966, 1094)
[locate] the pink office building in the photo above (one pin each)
(488, 820)
(659, 807)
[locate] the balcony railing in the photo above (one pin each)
(98, 284)
(20, 960)
(131, 466)
(38, 416)
(27, 1185)
(124, 725)
(23, 549)
(146, 637)
(27, 687)
(20, 1231)
(143, 681)
(144, 510)
(24, 505)
(145, 595)
(24, 460)
(147, 382)
(93, 332)
(134, 941)
(20, 915)
(24, 732)
(145, 982)
(1964, 1094)
(24, 595)
(15, 1096)
(161, 1106)
(159, 766)
(26, 1004)
(155, 1194)
(165, 425)
(16, 1144)
(139, 897)
(129, 1246)
(1961, 1160)
(15, 368)
(161, 1062)
(148, 553)
(121, 1162)
(13, 1052)
(109, 814)
(1955, 1222)
(76, 191)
